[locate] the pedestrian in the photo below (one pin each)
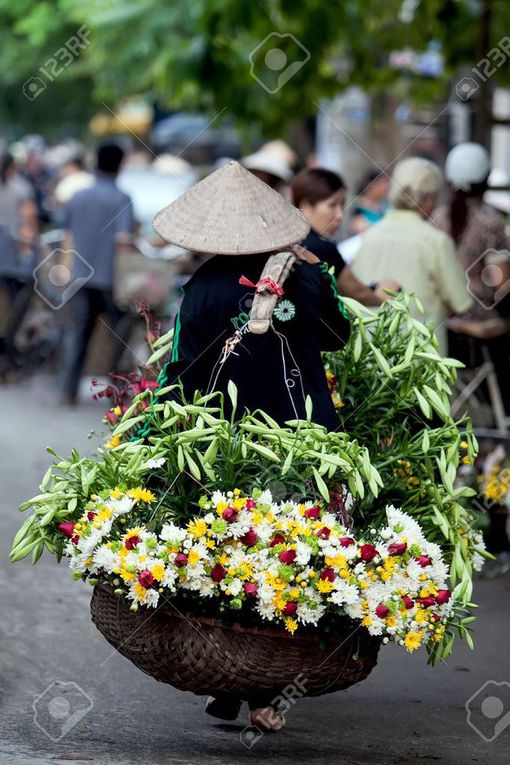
(320, 195)
(406, 246)
(99, 222)
(242, 221)
(478, 231)
(371, 202)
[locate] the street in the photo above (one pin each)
(405, 712)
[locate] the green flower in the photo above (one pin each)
(219, 526)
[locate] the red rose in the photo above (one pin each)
(75, 539)
(91, 515)
(132, 542)
(424, 560)
(278, 539)
(312, 512)
(251, 589)
(436, 617)
(367, 552)
(346, 541)
(328, 573)
(218, 572)
(249, 538)
(181, 560)
(290, 608)
(324, 532)
(408, 603)
(443, 596)
(145, 578)
(397, 548)
(288, 556)
(230, 514)
(250, 504)
(382, 611)
(426, 602)
(67, 528)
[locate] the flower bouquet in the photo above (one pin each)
(179, 517)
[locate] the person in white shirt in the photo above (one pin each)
(406, 247)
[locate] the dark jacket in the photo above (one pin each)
(274, 371)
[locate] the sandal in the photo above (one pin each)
(223, 708)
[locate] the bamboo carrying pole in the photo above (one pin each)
(277, 268)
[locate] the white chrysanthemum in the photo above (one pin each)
(308, 615)
(235, 586)
(218, 497)
(152, 598)
(106, 559)
(303, 553)
(169, 579)
(121, 506)
(265, 593)
(266, 498)
(172, 533)
(265, 610)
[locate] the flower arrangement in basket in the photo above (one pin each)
(365, 525)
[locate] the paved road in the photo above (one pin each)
(404, 713)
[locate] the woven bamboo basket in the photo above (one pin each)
(201, 655)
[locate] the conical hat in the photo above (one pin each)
(231, 212)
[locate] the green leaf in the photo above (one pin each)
(323, 489)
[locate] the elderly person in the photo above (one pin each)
(405, 246)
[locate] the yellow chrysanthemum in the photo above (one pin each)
(366, 621)
(197, 528)
(140, 592)
(211, 544)
(413, 641)
(438, 633)
(158, 571)
(279, 601)
(391, 620)
(324, 585)
(126, 575)
(116, 493)
(291, 625)
(193, 557)
(239, 503)
(421, 616)
(141, 495)
(113, 442)
(337, 561)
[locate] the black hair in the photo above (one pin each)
(458, 209)
(109, 158)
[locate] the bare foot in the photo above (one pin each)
(267, 718)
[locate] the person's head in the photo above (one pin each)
(72, 165)
(109, 158)
(374, 185)
(320, 195)
(7, 167)
(415, 184)
(467, 169)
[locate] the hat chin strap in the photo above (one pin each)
(268, 290)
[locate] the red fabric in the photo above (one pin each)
(263, 284)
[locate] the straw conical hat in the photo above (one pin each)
(231, 212)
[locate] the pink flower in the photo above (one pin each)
(250, 504)
(288, 556)
(181, 560)
(408, 603)
(131, 542)
(428, 601)
(312, 512)
(251, 589)
(397, 548)
(424, 560)
(346, 541)
(218, 572)
(145, 578)
(443, 596)
(367, 552)
(382, 611)
(67, 528)
(230, 514)
(249, 538)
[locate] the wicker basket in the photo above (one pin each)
(200, 655)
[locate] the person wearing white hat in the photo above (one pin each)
(269, 167)
(478, 231)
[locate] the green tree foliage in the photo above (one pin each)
(195, 54)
